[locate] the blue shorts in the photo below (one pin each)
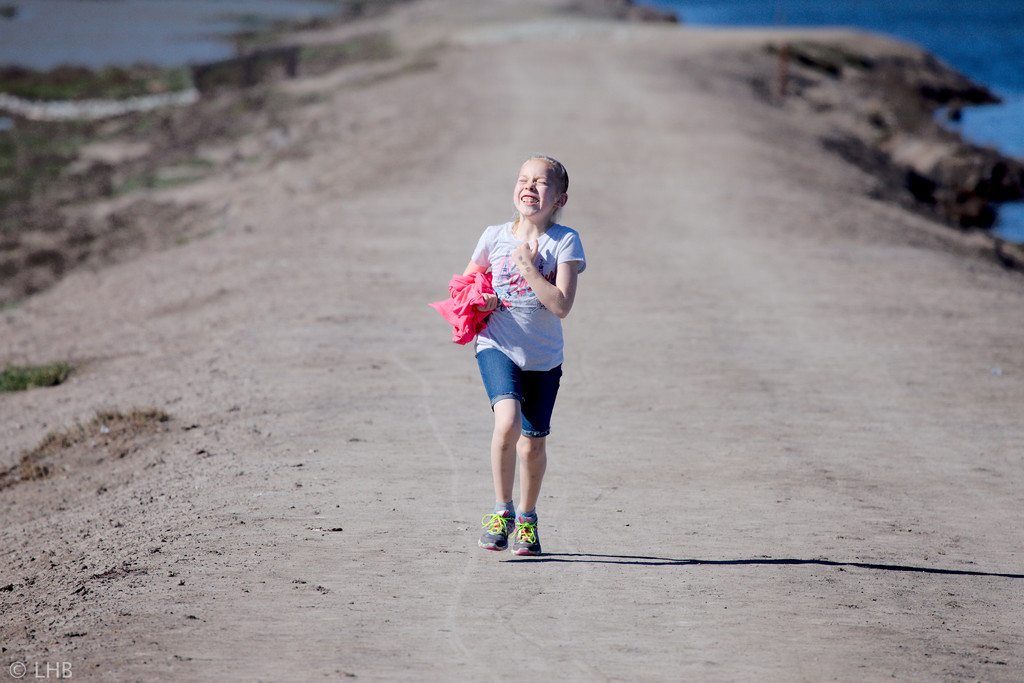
(534, 390)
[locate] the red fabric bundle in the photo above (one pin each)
(467, 292)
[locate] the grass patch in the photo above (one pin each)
(256, 65)
(182, 173)
(21, 378)
(33, 154)
(259, 32)
(80, 83)
(369, 47)
(111, 433)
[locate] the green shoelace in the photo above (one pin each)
(527, 532)
(496, 524)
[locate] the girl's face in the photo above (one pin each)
(536, 196)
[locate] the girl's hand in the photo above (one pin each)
(490, 303)
(525, 255)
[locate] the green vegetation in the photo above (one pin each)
(42, 166)
(173, 175)
(20, 378)
(33, 154)
(80, 83)
(258, 62)
(369, 47)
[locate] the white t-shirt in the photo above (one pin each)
(521, 327)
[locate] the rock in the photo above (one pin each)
(624, 9)
(650, 14)
(884, 105)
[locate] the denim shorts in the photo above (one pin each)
(534, 390)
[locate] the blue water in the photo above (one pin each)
(983, 39)
(97, 33)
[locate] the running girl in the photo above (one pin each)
(534, 264)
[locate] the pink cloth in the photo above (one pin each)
(467, 292)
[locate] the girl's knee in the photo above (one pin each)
(507, 432)
(507, 418)
(531, 448)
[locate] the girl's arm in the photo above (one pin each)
(490, 300)
(557, 298)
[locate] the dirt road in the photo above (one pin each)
(787, 446)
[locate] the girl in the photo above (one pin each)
(534, 263)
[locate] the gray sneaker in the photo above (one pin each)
(497, 528)
(527, 542)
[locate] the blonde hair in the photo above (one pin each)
(561, 181)
(561, 175)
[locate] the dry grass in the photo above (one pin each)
(109, 434)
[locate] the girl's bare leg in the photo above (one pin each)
(533, 461)
(507, 430)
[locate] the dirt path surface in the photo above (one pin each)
(787, 446)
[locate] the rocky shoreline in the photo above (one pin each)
(884, 109)
(102, 199)
(83, 183)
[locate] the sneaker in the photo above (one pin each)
(497, 528)
(527, 542)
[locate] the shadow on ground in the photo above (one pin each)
(672, 562)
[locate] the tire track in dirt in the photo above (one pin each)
(455, 601)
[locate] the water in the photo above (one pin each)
(983, 39)
(97, 33)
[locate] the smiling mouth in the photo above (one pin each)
(527, 199)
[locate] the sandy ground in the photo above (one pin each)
(787, 447)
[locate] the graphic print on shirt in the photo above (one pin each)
(512, 281)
